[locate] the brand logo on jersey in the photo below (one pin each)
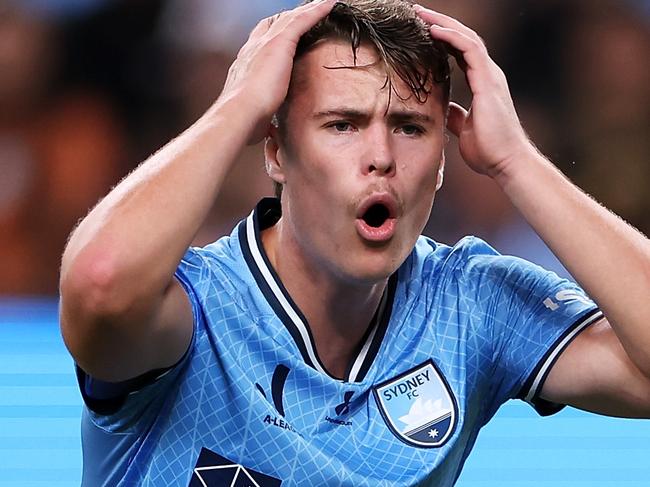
(566, 296)
(341, 410)
(344, 407)
(213, 470)
(277, 387)
(277, 391)
(418, 406)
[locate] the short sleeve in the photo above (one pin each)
(120, 406)
(532, 315)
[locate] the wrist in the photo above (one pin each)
(242, 112)
(518, 164)
(233, 113)
(233, 108)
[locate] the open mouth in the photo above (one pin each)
(376, 215)
(377, 219)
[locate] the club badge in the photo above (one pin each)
(418, 406)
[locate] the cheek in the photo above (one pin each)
(422, 177)
(422, 170)
(318, 168)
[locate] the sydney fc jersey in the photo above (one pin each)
(460, 330)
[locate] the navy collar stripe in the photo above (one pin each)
(256, 251)
(264, 216)
(367, 341)
(383, 320)
(268, 293)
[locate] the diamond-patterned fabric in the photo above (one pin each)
(479, 316)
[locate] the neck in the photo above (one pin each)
(338, 311)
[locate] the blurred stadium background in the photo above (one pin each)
(90, 88)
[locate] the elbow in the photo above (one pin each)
(90, 290)
(91, 309)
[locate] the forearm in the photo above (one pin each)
(129, 245)
(609, 258)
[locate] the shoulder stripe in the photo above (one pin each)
(542, 370)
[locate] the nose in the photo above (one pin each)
(379, 159)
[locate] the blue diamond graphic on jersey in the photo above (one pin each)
(213, 470)
(418, 406)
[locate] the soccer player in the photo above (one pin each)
(324, 342)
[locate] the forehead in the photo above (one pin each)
(329, 74)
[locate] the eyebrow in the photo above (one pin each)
(341, 113)
(409, 116)
(394, 116)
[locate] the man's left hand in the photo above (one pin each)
(490, 135)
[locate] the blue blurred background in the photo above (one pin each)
(90, 88)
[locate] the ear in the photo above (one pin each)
(441, 173)
(273, 156)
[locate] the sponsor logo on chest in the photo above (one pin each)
(418, 406)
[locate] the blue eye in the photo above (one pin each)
(342, 126)
(411, 130)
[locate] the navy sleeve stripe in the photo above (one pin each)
(534, 383)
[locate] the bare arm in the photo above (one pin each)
(607, 368)
(122, 313)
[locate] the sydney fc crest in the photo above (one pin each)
(418, 406)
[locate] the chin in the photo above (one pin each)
(373, 267)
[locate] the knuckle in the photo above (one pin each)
(483, 45)
(269, 21)
(297, 20)
(475, 44)
(263, 22)
(501, 75)
(498, 77)
(476, 40)
(272, 19)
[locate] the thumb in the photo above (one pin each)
(456, 118)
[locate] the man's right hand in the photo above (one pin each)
(260, 75)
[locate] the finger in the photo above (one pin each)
(301, 19)
(470, 52)
(456, 119)
(436, 18)
(263, 26)
(468, 39)
(471, 55)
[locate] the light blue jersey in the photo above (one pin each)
(460, 330)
